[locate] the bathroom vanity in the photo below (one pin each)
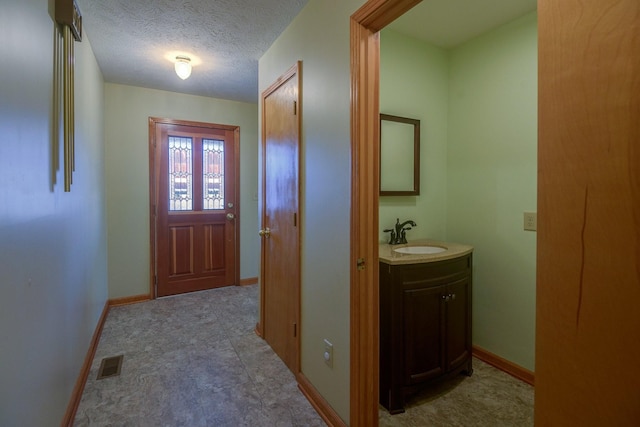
(425, 316)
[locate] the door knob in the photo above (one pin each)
(265, 232)
(230, 216)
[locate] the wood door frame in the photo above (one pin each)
(296, 70)
(153, 190)
(366, 23)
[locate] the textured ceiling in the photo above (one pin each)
(447, 23)
(135, 42)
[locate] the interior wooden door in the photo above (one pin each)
(588, 248)
(194, 206)
(280, 285)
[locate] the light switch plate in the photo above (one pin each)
(531, 221)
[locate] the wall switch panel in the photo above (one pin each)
(328, 353)
(531, 221)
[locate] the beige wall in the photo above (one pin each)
(127, 112)
(53, 259)
(319, 36)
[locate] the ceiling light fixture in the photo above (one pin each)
(183, 67)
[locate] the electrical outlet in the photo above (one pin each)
(328, 353)
(531, 221)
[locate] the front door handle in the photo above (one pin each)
(230, 216)
(264, 232)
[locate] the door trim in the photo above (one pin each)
(153, 191)
(366, 22)
(296, 70)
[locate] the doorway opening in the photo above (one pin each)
(365, 182)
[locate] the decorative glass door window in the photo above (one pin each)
(180, 174)
(213, 174)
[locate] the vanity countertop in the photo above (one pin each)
(387, 254)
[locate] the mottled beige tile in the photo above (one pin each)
(194, 360)
(488, 398)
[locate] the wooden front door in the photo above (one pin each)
(280, 290)
(194, 205)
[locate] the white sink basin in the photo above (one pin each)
(420, 250)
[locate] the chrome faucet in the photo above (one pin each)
(399, 235)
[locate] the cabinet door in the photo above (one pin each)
(458, 323)
(423, 329)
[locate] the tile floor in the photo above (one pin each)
(488, 398)
(194, 360)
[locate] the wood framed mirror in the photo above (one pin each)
(399, 156)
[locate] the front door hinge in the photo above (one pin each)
(361, 264)
(295, 330)
(295, 108)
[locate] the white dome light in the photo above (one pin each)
(183, 67)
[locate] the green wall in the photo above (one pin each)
(53, 255)
(127, 112)
(492, 174)
(486, 177)
(414, 80)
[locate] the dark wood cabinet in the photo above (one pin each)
(425, 325)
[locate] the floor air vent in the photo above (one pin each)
(110, 367)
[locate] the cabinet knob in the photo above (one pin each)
(453, 296)
(446, 297)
